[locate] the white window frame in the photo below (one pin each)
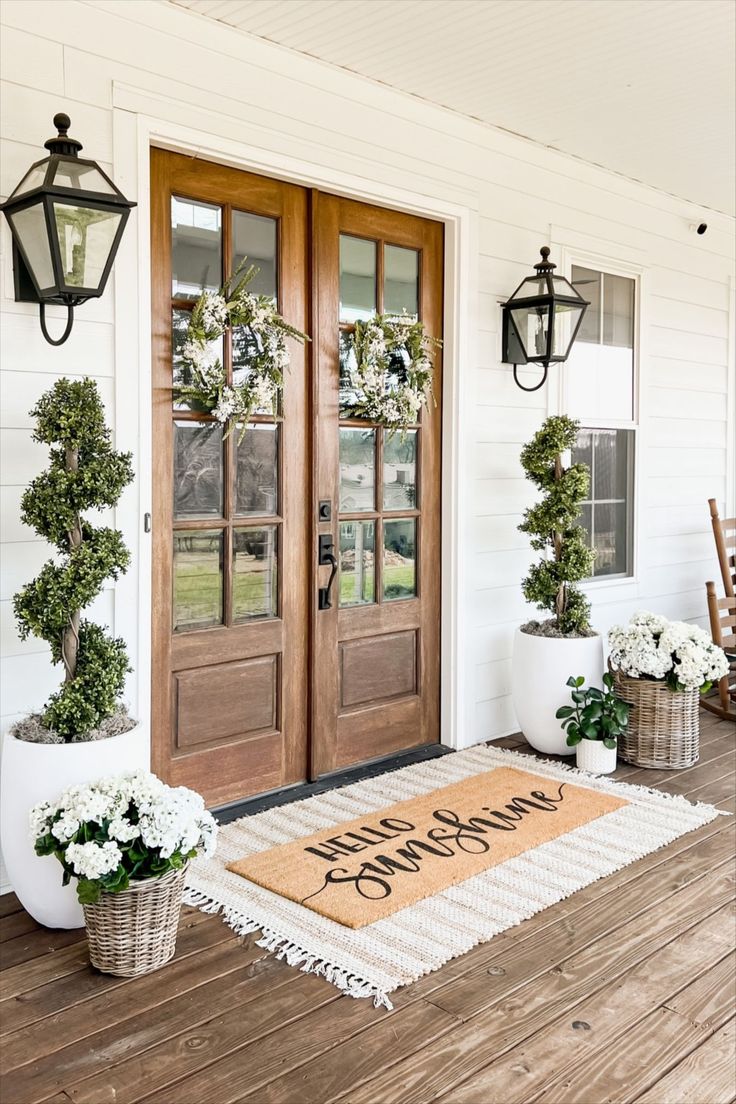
(615, 266)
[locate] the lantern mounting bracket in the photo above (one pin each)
(536, 385)
(67, 330)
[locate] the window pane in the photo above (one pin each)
(586, 520)
(180, 375)
(357, 278)
(256, 471)
(357, 567)
(607, 516)
(609, 537)
(611, 464)
(399, 559)
(196, 248)
(600, 368)
(582, 452)
(357, 470)
(347, 361)
(245, 348)
(618, 311)
(255, 581)
(197, 580)
(254, 237)
(401, 280)
(197, 470)
(588, 284)
(399, 470)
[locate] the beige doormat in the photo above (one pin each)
(375, 865)
(384, 954)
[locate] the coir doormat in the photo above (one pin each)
(384, 954)
(372, 866)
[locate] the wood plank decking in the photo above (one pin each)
(624, 992)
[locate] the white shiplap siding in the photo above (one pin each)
(103, 62)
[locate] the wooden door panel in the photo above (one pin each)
(378, 668)
(230, 555)
(375, 668)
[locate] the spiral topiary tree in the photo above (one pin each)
(552, 526)
(85, 473)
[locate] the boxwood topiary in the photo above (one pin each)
(85, 473)
(553, 527)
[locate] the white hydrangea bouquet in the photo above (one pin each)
(681, 655)
(260, 332)
(389, 371)
(129, 826)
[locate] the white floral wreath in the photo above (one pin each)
(204, 383)
(389, 371)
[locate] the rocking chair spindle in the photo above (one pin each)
(722, 613)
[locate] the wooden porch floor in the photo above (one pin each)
(624, 992)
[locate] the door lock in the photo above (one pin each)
(326, 555)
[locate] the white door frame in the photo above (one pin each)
(139, 122)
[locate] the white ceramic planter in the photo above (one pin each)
(40, 772)
(540, 668)
(595, 757)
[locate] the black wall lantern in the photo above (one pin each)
(67, 218)
(541, 320)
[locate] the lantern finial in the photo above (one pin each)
(545, 265)
(62, 143)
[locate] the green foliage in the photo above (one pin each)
(595, 715)
(138, 861)
(552, 526)
(85, 473)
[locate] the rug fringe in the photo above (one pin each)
(350, 984)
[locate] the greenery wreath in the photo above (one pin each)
(258, 326)
(388, 371)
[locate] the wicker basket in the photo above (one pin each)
(134, 932)
(664, 726)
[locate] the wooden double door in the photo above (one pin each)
(269, 666)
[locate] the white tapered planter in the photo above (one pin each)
(32, 773)
(595, 757)
(540, 669)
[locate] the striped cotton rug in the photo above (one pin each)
(375, 959)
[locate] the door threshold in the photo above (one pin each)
(300, 790)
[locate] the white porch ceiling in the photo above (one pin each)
(642, 87)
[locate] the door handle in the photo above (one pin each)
(326, 555)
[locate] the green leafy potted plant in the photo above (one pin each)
(83, 730)
(546, 651)
(594, 723)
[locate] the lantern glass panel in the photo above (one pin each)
(563, 287)
(34, 178)
(532, 324)
(80, 176)
(532, 288)
(567, 316)
(86, 237)
(29, 227)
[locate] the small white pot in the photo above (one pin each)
(32, 773)
(595, 757)
(540, 668)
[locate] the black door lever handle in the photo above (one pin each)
(323, 593)
(326, 555)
